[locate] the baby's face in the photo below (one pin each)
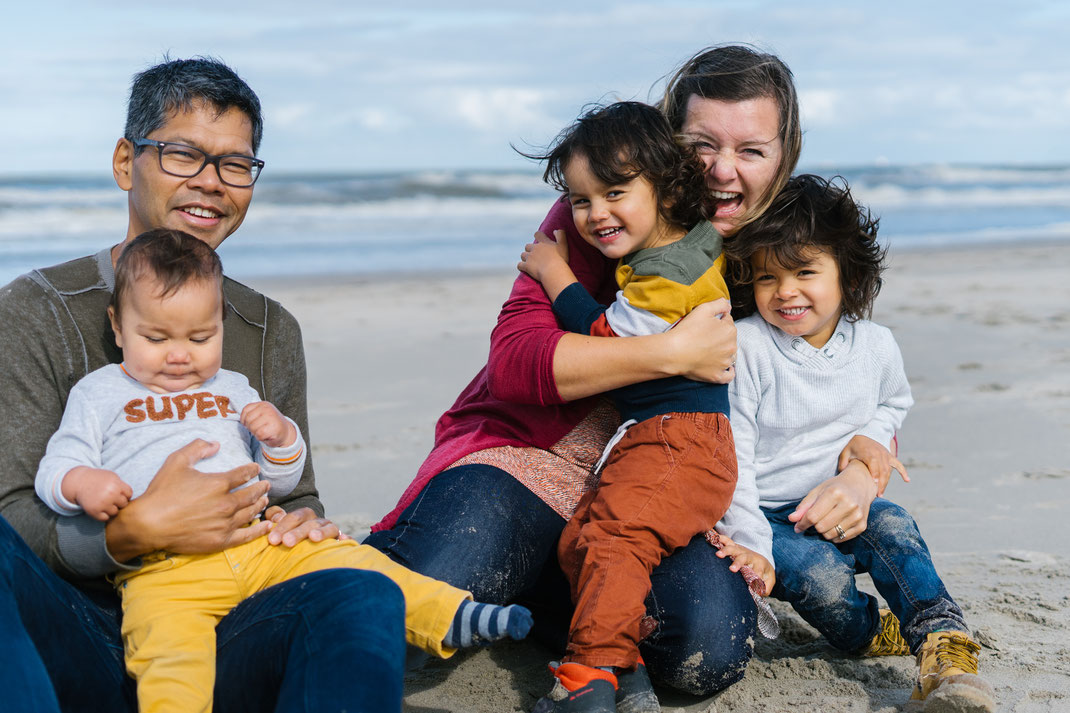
(171, 343)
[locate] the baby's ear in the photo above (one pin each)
(115, 327)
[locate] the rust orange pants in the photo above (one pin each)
(670, 478)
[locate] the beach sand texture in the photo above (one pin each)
(984, 334)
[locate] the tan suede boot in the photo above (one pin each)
(888, 641)
(947, 675)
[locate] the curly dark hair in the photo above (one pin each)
(811, 212)
(625, 140)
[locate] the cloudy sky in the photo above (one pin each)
(374, 86)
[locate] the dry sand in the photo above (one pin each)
(984, 333)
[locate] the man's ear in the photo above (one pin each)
(115, 327)
(122, 164)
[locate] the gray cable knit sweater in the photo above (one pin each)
(795, 407)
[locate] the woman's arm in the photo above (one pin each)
(532, 360)
(701, 346)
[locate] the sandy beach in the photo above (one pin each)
(984, 334)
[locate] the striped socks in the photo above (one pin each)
(477, 624)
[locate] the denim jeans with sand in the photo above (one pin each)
(291, 647)
(817, 578)
(479, 529)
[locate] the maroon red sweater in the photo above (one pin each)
(513, 400)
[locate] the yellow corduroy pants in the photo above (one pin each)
(172, 604)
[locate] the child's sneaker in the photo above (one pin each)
(947, 672)
(579, 689)
(888, 641)
(635, 694)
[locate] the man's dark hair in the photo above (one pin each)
(626, 140)
(176, 85)
(170, 257)
(809, 213)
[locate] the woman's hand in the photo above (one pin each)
(875, 457)
(704, 346)
(838, 508)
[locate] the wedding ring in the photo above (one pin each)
(840, 534)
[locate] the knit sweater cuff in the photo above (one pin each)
(576, 309)
(84, 547)
(879, 431)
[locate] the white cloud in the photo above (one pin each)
(377, 118)
(288, 115)
(820, 107)
(408, 83)
(500, 109)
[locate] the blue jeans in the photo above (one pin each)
(817, 578)
(329, 641)
(479, 529)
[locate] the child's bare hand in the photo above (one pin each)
(742, 556)
(101, 493)
(268, 425)
(544, 256)
(560, 242)
(876, 458)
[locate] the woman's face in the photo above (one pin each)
(739, 143)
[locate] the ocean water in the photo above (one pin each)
(311, 225)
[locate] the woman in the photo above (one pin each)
(514, 453)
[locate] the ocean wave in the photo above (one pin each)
(28, 222)
(1051, 231)
(32, 223)
(888, 195)
(311, 224)
(16, 197)
(344, 189)
(920, 175)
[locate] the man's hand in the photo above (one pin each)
(704, 346)
(877, 459)
(101, 493)
(186, 511)
(742, 556)
(268, 425)
(290, 528)
(842, 501)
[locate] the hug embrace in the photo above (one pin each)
(621, 478)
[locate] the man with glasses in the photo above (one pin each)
(325, 641)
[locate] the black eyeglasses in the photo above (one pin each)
(184, 161)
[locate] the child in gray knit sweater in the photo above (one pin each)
(811, 375)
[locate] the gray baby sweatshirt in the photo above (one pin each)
(115, 423)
